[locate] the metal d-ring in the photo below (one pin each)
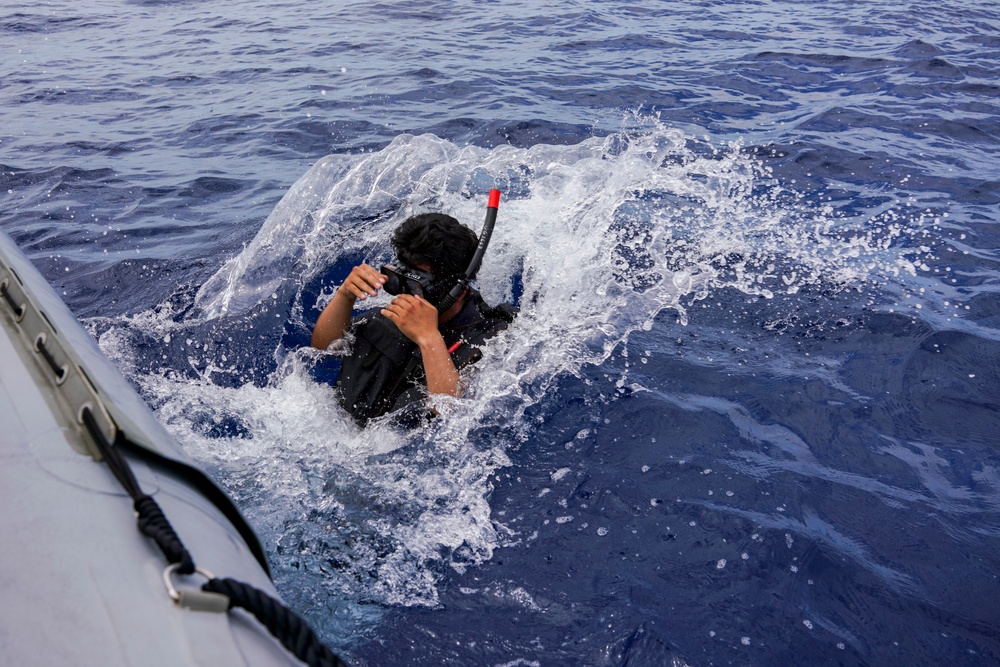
(171, 590)
(196, 599)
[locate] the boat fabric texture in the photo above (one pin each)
(384, 374)
(81, 585)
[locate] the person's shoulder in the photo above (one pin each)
(503, 312)
(491, 320)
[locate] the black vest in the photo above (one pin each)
(385, 373)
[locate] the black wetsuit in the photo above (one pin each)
(384, 372)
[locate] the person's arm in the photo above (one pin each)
(363, 281)
(418, 320)
(442, 376)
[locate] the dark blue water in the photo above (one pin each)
(750, 411)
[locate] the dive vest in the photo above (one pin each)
(385, 373)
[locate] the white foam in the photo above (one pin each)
(604, 236)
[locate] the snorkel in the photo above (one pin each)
(405, 279)
(477, 258)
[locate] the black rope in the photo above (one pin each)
(119, 466)
(200, 482)
(286, 626)
(60, 371)
(151, 520)
(18, 309)
(153, 523)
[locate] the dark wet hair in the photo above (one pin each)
(437, 239)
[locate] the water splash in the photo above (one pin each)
(594, 241)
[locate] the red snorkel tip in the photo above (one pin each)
(494, 201)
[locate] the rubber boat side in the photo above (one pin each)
(80, 584)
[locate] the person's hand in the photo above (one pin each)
(364, 281)
(415, 317)
(418, 320)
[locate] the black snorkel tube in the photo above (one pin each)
(477, 259)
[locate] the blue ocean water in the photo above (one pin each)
(749, 413)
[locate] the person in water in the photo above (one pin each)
(417, 344)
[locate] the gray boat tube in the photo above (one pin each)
(118, 406)
(81, 585)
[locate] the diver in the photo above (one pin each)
(416, 346)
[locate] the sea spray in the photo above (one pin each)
(595, 242)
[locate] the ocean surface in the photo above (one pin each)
(750, 411)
